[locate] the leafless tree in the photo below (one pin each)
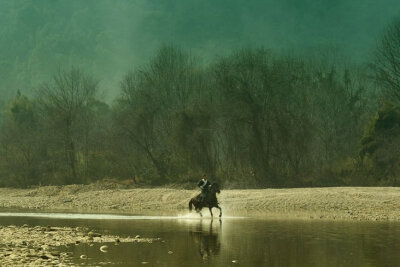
(65, 101)
(386, 64)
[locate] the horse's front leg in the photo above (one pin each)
(220, 211)
(199, 212)
(210, 208)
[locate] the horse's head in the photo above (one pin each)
(215, 188)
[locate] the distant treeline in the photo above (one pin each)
(251, 119)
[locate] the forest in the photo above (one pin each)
(250, 118)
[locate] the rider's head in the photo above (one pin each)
(204, 177)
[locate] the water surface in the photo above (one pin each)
(190, 241)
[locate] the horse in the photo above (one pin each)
(209, 201)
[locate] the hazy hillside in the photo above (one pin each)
(107, 38)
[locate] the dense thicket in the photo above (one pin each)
(250, 119)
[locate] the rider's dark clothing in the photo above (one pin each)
(204, 185)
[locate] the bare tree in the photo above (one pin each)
(386, 64)
(65, 101)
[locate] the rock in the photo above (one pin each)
(93, 234)
(234, 261)
(55, 254)
(170, 252)
(103, 248)
(138, 236)
(49, 229)
(44, 247)
(45, 257)
(83, 257)
(14, 257)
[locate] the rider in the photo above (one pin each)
(204, 185)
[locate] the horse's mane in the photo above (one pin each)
(216, 187)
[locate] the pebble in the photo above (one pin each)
(92, 234)
(103, 248)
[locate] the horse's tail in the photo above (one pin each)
(190, 204)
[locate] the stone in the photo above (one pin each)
(93, 234)
(103, 248)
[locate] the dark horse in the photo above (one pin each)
(210, 201)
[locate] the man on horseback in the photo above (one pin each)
(204, 185)
(207, 198)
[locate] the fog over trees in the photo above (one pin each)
(246, 115)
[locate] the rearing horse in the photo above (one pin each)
(209, 201)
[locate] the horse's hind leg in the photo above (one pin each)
(211, 211)
(220, 211)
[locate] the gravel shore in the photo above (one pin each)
(333, 203)
(40, 246)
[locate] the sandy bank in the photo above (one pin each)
(336, 203)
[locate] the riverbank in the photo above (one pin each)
(333, 203)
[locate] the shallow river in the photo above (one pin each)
(232, 241)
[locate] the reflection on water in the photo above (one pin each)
(231, 242)
(207, 240)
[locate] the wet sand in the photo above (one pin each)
(333, 203)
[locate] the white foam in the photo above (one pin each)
(188, 216)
